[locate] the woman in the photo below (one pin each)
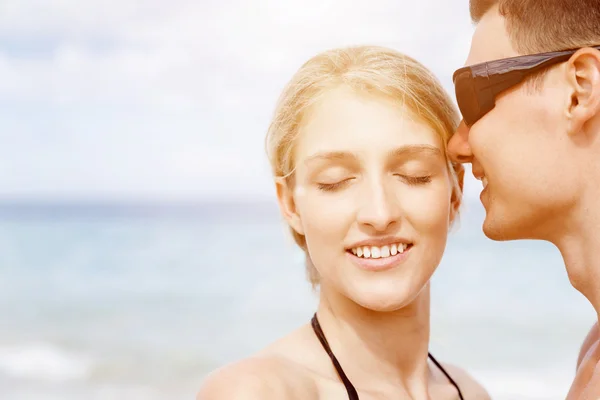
(358, 151)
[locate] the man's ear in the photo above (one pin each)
(457, 193)
(287, 204)
(583, 77)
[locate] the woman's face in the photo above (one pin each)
(372, 196)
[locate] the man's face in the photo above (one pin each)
(518, 150)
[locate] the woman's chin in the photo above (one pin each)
(382, 307)
(384, 300)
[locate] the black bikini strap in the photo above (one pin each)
(352, 394)
(447, 376)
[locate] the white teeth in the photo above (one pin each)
(484, 181)
(379, 252)
(375, 252)
(385, 251)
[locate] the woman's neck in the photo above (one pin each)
(379, 348)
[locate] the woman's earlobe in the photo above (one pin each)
(287, 204)
(454, 208)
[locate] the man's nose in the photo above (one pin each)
(458, 146)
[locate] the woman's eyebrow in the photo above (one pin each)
(406, 151)
(414, 150)
(331, 156)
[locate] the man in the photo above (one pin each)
(592, 337)
(531, 130)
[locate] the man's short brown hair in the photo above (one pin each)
(536, 26)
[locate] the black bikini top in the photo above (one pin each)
(352, 393)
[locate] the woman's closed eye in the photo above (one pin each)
(332, 187)
(419, 179)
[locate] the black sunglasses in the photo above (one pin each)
(478, 85)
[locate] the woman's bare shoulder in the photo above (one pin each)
(273, 373)
(470, 388)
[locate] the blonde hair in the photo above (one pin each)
(365, 69)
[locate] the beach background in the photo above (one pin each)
(130, 302)
(140, 245)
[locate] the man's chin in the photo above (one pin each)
(492, 233)
(501, 230)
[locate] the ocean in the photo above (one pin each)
(128, 302)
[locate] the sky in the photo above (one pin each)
(170, 100)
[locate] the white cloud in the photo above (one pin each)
(155, 98)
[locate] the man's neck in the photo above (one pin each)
(579, 246)
(388, 348)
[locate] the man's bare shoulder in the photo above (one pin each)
(590, 340)
(470, 388)
(260, 377)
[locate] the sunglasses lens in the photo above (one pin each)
(466, 97)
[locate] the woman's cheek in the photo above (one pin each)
(428, 208)
(321, 213)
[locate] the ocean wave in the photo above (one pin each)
(43, 362)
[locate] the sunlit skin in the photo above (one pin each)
(537, 154)
(519, 147)
(367, 172)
